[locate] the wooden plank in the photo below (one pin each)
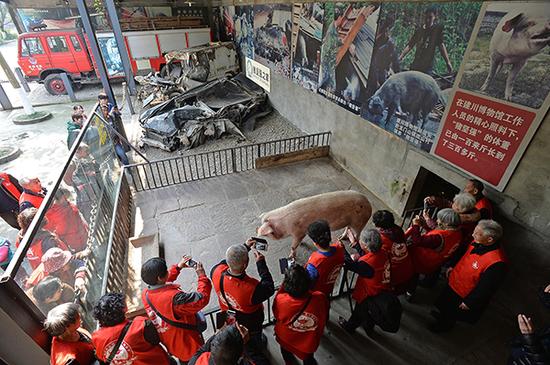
(290, 157)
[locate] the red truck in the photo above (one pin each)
(44, 55)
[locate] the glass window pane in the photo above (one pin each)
(57, 44)
(32, 46)
(76, 43)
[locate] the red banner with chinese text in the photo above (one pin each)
(481, 136)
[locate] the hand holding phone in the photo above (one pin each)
(261, 243)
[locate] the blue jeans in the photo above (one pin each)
(119, 149)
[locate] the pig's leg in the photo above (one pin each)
(492, 72)
(296, 241)
(514, 71)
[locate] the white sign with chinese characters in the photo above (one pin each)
(258, 73)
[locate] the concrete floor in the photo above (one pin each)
(205, 217)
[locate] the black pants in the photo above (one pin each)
(10, 218)
(448, 304)
(254, 349)
(290, 358)
(360, 317)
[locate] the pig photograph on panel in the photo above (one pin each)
(306, 46)
(346, 53)
(346, 208)
(511, 54)
(272, 36)
(417, 51)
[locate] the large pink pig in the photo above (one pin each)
(339, 208)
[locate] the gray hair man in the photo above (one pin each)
(473, 280)
(242, 296)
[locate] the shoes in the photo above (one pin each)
(344, 324)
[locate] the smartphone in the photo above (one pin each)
(192, 263)
(259, 240)
(260, 246)
(284, 264)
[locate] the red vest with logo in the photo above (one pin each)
(427, 260)
(402, 268)
(485, 203)
(34, 200)
(62, 352)
(134, 349)
(300, 335)
(328, 268)
(238, 291)
(180, 342)
(465, 275)
(369, 287)
(35, 252)
(67, 223)
(9, 187)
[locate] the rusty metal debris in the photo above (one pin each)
(186, 69)
(205, 112)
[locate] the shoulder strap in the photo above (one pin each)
(222, 291)
(119, 342)
(301, 310)
(186, 326)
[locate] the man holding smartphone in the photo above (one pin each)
(175, 313)
(244, 295)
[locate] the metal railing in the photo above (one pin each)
(181, 169)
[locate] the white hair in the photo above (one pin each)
(61, 317)
(464, 202)
(448, 218)
(372, 239)
(237, 257)
(490, 228)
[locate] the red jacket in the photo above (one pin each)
(62, 351)
(486, 204)
(328, 268)
(180, 342)
(369, 287)
(30, 198)
(65, 220)
(427, 260)
(134, 350)
(42, 242)
(402, 268)
(9, 187)
(300, 335)
(466, 274)
(238, 291)
(203, 359)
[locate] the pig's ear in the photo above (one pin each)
(512, 23)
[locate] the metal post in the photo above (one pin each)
(22, 79)
(128, 98)
(68, 86)
(94, 47)
(4, 100)
(115, 25)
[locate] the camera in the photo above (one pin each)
(192, 263)
(261, 244)
(284, 264)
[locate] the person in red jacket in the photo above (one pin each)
(435, 248)
(141, 343)
(33, 193)
(65, 220)
(175, 313)
(225, 347)
(376, 304)
(393, 242)
(243, 295)
(71, 345)
(483, 204)
(325, 264)
(10, 192)
(43, 239)
(473, 280)
(300, 316)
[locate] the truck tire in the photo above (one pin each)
(54, 84)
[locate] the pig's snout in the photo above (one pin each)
(376, 106)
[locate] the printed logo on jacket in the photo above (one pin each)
(124, 356)
(305, 323)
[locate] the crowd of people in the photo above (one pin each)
(54, 269)
(459, 242)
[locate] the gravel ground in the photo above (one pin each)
(272, 127)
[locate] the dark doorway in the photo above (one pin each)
(427, 183)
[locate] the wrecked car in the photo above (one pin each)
(205, 112)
